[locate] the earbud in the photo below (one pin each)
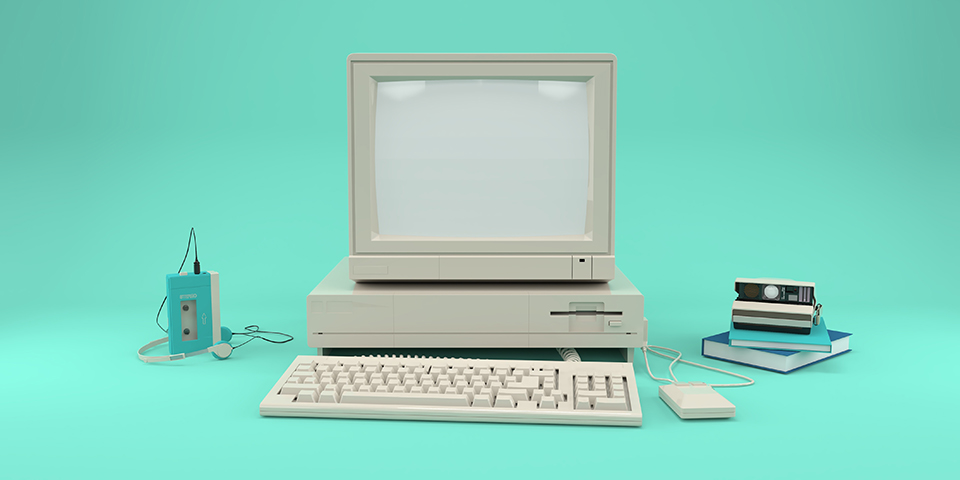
(221, 350)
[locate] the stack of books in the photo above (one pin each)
(776, 351)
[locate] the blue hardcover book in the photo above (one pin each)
(781, 361)
(818, 340)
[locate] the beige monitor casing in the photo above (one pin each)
(570, 258)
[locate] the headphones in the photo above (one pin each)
(220, 350)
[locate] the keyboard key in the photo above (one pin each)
(329, 395)
(592, 393)
(295, 388)
(537, 395)
(307, 396)
(481, 401)
(363, 398)
(616, 404)
(504, 401)
(527, 383)
(544, 374)
(515, 393)
(525, 405)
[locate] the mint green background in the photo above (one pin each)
(123, 124)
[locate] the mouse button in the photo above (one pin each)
(696, 390)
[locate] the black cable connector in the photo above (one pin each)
(196, 256)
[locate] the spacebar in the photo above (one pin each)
(374, 398)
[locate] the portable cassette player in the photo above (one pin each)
(193, 314)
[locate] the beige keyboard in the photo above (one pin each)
(463, 390)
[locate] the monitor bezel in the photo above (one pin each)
(597, 70)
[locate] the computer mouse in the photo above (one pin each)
(696, 400)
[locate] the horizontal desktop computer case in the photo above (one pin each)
(342, 313)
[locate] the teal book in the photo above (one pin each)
(781, 361)
(817, 341)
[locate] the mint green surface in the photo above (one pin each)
(814, 140)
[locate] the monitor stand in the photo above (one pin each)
(344, 314)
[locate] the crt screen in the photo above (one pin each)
(481, 158)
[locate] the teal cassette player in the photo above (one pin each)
(193, 311)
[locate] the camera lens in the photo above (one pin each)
(771, 292)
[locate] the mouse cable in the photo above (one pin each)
(196, 269)
(252, 331)
(677, 358)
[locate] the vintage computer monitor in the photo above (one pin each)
(481, 167)
(481, 207)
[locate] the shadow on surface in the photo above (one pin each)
(537, 354)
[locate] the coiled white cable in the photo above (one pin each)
(678, 359)
(568, 354)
